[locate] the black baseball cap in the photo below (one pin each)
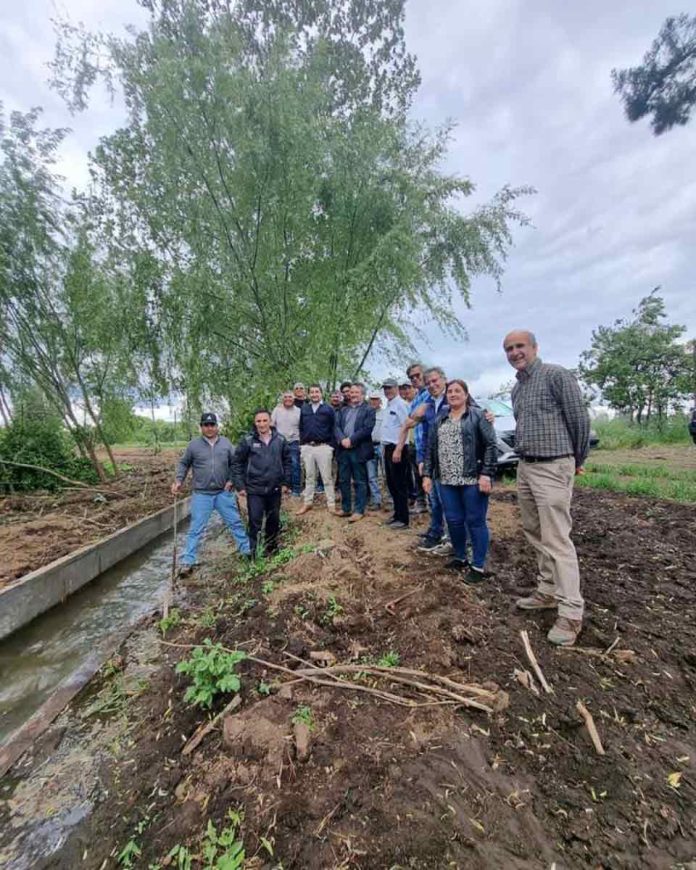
(209, 417)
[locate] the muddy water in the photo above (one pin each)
(35, 659)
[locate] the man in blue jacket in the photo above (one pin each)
(210, 458)
(262, 471)
(354, 425)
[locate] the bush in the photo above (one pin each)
(44, 442)
(213, 671)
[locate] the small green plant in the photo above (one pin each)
(268, 587)
(392, 659)
(224, 850)
(303, 715)
(301, 611)
(207, 618)
(263, 688)
(172, 619)
(182, 856)
(129, 854)
(333, 609)
(212, 670)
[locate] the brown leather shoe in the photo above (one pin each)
(304, 509)
(565, 631)
(340, 513)
(355, 517)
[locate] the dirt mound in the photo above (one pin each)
(386, 785)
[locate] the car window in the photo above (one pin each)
(496, 406)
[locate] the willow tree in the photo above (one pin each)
(301, 221)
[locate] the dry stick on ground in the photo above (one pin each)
(78, 483)
(591, 727)
(207, 727)
(390, 605)
(534, 663)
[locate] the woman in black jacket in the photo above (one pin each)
(461, 461)
(262, 470)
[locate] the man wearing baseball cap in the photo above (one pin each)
(395, 415)
(210, 460)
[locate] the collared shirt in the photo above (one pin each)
(349, 417)
(377, 429)
(418, 435)
(434, 408)
(395, 415)
(552, 418)
(287, 422)
(315, 406)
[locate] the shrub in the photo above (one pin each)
(213, 671)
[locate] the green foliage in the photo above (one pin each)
(129, 855)
(302, 219)
(392, 659)
(638, 365)
(171, 620)
(332, 610)
(664, 85)
(44, 442)
(649, 481)
(620, 433)
(263, 688)
(224, 850)
(303, 714)
(212, 671)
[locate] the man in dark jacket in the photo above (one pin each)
(354, 425)
(210, 457)
(317, 420)
(262, 471)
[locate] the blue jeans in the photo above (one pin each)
(373, 466)
(202, 506)
(437, 520)
(352, 468)
(466, 508)
(296, 467)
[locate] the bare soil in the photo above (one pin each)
(36, 528)
(435, 787)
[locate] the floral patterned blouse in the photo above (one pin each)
(451, 454)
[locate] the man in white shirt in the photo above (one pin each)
(397, 473)
(374, 466)
(286, 419)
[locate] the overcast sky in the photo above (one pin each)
(528, 85)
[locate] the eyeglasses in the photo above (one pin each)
(415, 376)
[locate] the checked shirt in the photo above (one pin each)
(551, 416)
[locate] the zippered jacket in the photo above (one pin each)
(479, 442)
(261, 468)
(210, 464)
(317, 426)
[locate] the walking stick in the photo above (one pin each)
(169, 594)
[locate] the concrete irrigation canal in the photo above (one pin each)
(46, 659)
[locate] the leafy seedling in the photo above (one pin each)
(213, 672)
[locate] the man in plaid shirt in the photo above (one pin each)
(552, 439)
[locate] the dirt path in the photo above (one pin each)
(435, 787)
(36, 528)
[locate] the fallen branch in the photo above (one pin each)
(207, 727)
(390, 605)
(78, 483)
(534, 663)
(591, 727)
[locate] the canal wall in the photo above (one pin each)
(39, 591)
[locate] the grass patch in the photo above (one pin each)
(618, 434)
(656, 482)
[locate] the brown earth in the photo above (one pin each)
(434, 787)
(36, 528)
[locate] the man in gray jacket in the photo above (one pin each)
(210, 458)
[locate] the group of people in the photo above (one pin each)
(436, 450)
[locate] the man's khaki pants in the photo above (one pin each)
(544, 491)
(315, 457)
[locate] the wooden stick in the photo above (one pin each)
(534, 663)
(591, 727)
(207, 727)
(390, 605)
(527, 680)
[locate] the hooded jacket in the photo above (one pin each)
(261, 468)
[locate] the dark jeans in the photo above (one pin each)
(416, 483)
(294, 447)
(466, 508)
(437, 520)
(260, 506)
(351, 468)
(397, 480)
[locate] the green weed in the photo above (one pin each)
(619, 433)
(172, 619)
(392, 659)
(333, 609)
(268, 587)
(303, 714)
(263, 688)
(129, 855)
(212, 671)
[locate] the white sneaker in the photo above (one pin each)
(443, 549)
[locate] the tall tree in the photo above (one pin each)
(299, 221)
(639, 365)
(664, 85)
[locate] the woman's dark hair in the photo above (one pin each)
(463, 385)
